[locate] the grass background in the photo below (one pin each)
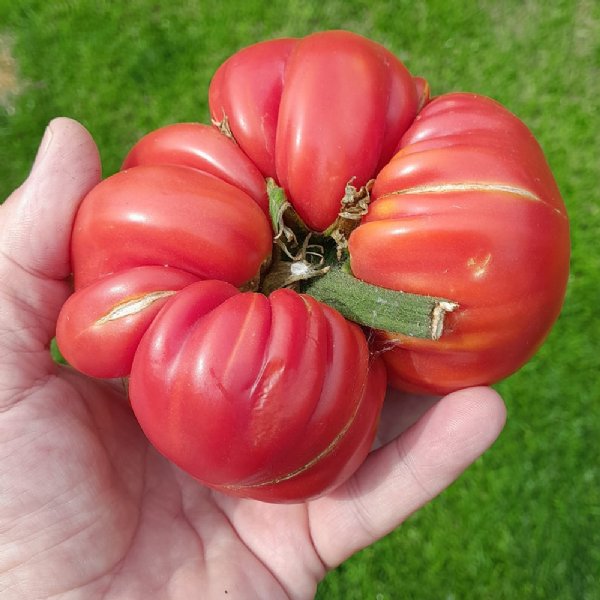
(524, 521)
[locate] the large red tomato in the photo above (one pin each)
(435, 225)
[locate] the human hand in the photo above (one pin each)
(89, 510)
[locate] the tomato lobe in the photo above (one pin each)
(467, 210)
(173, 216)
(254, 371)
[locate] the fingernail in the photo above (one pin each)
(43, 148)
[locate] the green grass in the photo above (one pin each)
(524, 521)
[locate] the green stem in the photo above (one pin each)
(330, 279)
(380, 308)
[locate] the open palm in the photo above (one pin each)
(89, 510)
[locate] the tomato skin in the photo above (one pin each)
(271, 398)
(100, 346)
(467, 210)
(204, 148)
(341, 104)
(172, 216)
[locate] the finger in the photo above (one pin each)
(35, 231)
(37, 219)
(402, 476)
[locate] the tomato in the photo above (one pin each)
(443, 210)
(316, 113)
(274, 398)
(467, 209)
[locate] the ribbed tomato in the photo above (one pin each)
(372, 187)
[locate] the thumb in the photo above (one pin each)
(35, 231)
(36, 220)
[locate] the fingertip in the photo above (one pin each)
(69, 139)
(481, 409)
(70, 127)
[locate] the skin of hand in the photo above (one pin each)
(89, 510)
